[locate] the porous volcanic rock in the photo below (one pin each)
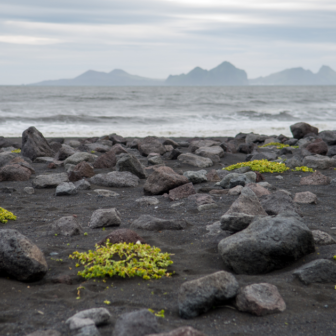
(317, 161)
(322, 238)
(66, 226)
(109, 160)
(182, 191)
(115, 179)
(195, 160)
(66, 189)
(316, 178)
(305, 197)
(299, 130)
(131, 164)
(258, 189)
(318, 146)
(105, 217)
(122, 236)
(64, 152)
(83, 169)
(235, 222)
(14, 172)
(80, 157)
(150, 145)
(196, 144)
(196, 176)
(329, 137)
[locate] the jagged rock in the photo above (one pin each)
(131, 164)
(173, 155)
(170, 142)
(318, 146)
(257, 249)
(80, 157)
(279, 202)
(20, 258)
(255, 138)
(155, 160)
(97, 147)
(117, 139)
(115, 179)
(74, 143)
(196, 176)
(321, 270)
(122, 236)
(34, 144)
(235, 222)
(7, 158)
(213, 176)
(260, 299)
(299, 130)
(306, 197)
(137, 323)
(49, 181)
(150, 223)
(82, 185)
(247, 203)
(83, 169)
(150, 145)
(331, 151)
(196, 144)
(66, 226)
(317, 162)
(322, 238)
(182, 191)
(238, 179)
(315, 179)
(162, 180)
(258, 189)
(294, 162)
(14, 172)
(109, 160)
(198, 296)
(66, 189)
(195, 160)
(328, 137)
(235, 191)
(210, 152)
(104, 218)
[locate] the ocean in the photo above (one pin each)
(164, 111)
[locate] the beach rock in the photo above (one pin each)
(122, 236)
(150, 145)
(236, 190)
(329, 137)
(49, 181)
(293, 162)
(34, 144)
(7, 158)
(195, 160)
(266, 155)
(213, 176)
(201, 199)
(196, 144)
(117, 139)
(162, 180)
(260, 299)
(83, 327)
(104, 218)
(238, 179)
(247, 203)
(255, 138)
(210, 151)
(29, 190)
(321, 271)
(48, 332)
(83, 169)
(150, 223)
(82, 185)
(131, 164)
(133, 144)
(331, 151)
(322, 238)
(170, 142)
(315, 179)
(182, 331)
(182, 191)
(318, 146)
(66, 189)
(20, 258)
(115, 179)
(172, 155)
(97, 147)
(109, 160)
(317, 162)
(235, 221)
(14, 172)
(306, 197)
(299, 130)
(66, 226)
(279, 202)
(245, 148)
(64, 152)
(196, 176)
(55, 146)
(198, 296)
(257, 249)
(74, 143)
(99, 316)
(137, 323)
(155, 160)
(258, 189)
(147, 201)
(80, 157)
(105, 193)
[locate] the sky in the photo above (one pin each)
(54, 39)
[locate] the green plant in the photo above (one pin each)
(303, 169)
(5, 215)
(16, 150)
(277, 145)
(123, 260)
(160, 313)
(262, 166)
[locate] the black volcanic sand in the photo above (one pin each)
(26, 307)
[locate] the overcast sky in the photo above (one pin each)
(53, 39)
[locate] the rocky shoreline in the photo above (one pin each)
(252, 252)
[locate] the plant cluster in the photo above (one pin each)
(304, 169)
(160, 313)
(262, 166)
(123, 260)
(277, 145)
(16, 150)
(6, 215)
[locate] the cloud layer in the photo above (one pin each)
(61, 39)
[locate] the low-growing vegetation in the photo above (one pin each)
(5, 215)
(277, 145)
(123, 260)
(16, 151)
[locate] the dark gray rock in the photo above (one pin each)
(49, 181)
(299, 130)
(66, 226)
(82, 185)
(105, 217)
(328, 136)
(150, 145)
(66, 189)
(64, 152)
(150, 223)
(195, 160)
(235, 222)
(20, 258)
(331, 151)
(172, 155)
(196, 176)
(138, 323)
(198, 296)
(99, 316)
(80, 157)
(248, 177)
(317, 162)
(321, 270)
(131, 164)
(238, 181)
(34, 144)
(115, 179)
(267, 244)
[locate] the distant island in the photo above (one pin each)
(225, 74)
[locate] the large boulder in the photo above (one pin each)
(195, 160)
(162, 180)
(299, 130)
(109, 159)
(150, 223)
(105, 217)
(21, 258)
(317, 162)
(278, 202)
(318, 146)
(315, 179)
(115, 179)
(198, 296)
(267, 244)
(150, 145)
(14, 172)
(34, 144)
(131, 164)
(247, 203)
(49, 181)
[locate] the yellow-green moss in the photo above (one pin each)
(6, 215)
(262, 166)
(277, 145)
(16, 151)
